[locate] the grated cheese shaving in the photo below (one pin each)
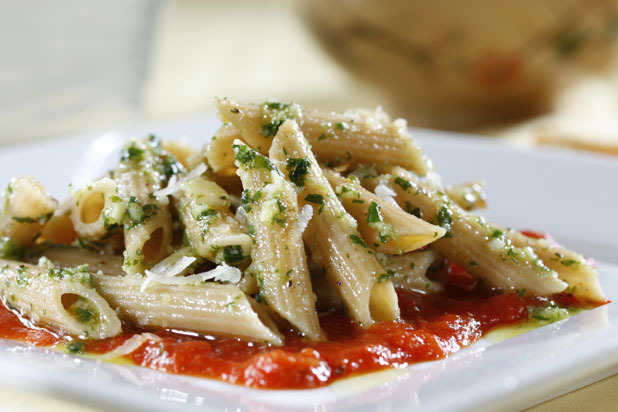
(304, 217)
(386, 193)
(130, 345)
(175, 185)
(222, 273)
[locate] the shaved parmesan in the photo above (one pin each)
(130, 345)
(222, 273)
(175, 185)
(386, 193)
(304, 217)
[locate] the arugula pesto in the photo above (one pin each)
(273, 114)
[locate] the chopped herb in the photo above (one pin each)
(357, 240)
(251, 158)
(414, 211)
(373, 213)
(24, 219)
(251, 229)
(445, 219)
(497, 233)
(569, 262)
(322, 136)
(132, 153)
(520, 292)
(343, 126)
(473, 263)
(384, 277)
(403, 183)
(412, 265)
(135, 212)
(75, 347)
(358, 201)
(298, 170)
(235, 110)
(317, 199)
(232, 254)
(84, 315)
(9, 250)
(206, 214)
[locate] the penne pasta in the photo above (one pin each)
(205, 308)
(383, 226)
(332, 234)
(353, 137)
(579, 272)
(210, 228)
(63, 299)
(278, 256)
(476, 246)
(97, 210)
(25, 206)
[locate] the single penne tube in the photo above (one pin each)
(208, 307)
(25, 207)
(145, 167)
(383, 226)
(332, 234)
(409, 271)
(210, 228)
(97, 210)
(477, 246)
(220, 153)
(573, 268)
(62, 299)
(353, 137)
(278, 256)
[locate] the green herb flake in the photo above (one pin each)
(132, 153)
(373, 213)
(75, 347)
(233, 254)
(569, 262)
(357, 240)
(403, 183)
(298, 170)
(384, 277)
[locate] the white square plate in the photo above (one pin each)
(567, 194)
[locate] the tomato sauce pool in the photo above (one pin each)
(431, 327)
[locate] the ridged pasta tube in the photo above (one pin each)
(353, 137)
(332, 234)
(205, 307)
(97, 209)
(408, 271)
(384, 227)
(62, 299)
(476, 246)
(279, 260)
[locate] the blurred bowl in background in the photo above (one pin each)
(455, 65)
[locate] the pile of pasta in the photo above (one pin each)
(285, 213)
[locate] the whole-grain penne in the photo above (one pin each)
(97, 209)
(332, 235)
(278, 257)
(353, 137)
(205, 307)
(145, 167)
(579, 272)
(480, 248)
(63, 299)
(383, 226)
(24, 207)
(210, 228)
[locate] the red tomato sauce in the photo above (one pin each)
(431, 327)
